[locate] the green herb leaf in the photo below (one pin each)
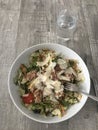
(56, 58)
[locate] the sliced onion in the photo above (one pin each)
(62, 63)
(70, 70)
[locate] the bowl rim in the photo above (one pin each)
(9, 90)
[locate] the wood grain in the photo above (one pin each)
(10, 4)
(24, 23)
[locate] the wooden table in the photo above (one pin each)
(24, 23)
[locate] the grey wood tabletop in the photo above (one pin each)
(24, 23)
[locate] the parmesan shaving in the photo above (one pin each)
(62, 63)
(47, 91)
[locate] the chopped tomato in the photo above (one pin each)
(28, 98)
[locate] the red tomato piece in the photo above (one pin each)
(28, 98)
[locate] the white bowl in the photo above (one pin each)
(23, 58)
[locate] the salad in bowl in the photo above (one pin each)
(41, 83)
(37, 79)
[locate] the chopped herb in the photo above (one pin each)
(56, 58)
(33, 67)
(71, 63)
(16, 80)
(25, 88)
(65, 103)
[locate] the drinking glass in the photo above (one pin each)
(66, 24)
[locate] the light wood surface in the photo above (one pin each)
(24, 23)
